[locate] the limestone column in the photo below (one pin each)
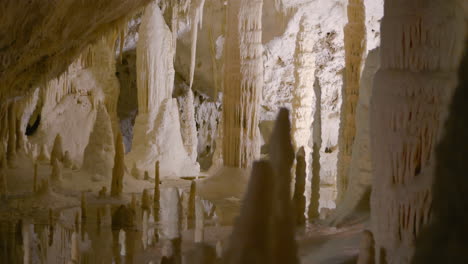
(355, 48)
(421, 46)
(243, 82)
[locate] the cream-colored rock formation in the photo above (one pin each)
(355, 48)
(412, 90)
(243, 81)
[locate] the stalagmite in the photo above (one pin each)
(56, 174)
(57, 150)
(98, 154)
(419, 57)
(360, 170)
(264, 231)
(157, 122)
(298, 197)
(67, 161)
(188, 124)
(43, 154)
(135, 172)
(145, 202)
(156, 193)
(281, 159)
(355, 48)
(252, 236)
(84, 206)
(303, 93)
(366, 250)
(243, 82)
(191, 206)
(313, 210)
(119, 167)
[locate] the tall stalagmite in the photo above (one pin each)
(355, 48)
(421, 45)
(57, 150)
(119, 167)
(303, 93)
(98, 154)
(157, 122)
(313, 211)
(243, 82)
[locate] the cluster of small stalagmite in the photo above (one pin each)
(411, 93)
(243, 81)
(355, 48)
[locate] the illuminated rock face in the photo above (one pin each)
(411, 93)
(243, 75)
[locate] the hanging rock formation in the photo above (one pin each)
(355, 49)
(99, 153)
(411, 93)
(157, 133)
(118, 171)
(243, 82)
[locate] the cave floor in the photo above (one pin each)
(48, 228)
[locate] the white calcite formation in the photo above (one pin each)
(303, 93)
(157, 133)
(99, 154)
(420, 50)
(360, 171)
(243, 82)
(188, 125)
(355, 49)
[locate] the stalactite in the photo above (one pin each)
(243, 70)
(57, 150)
(299, 189)
(419, 57)
(196, 16)
(303, 93)
(119, 167)
(355, 48)
(98, 154)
